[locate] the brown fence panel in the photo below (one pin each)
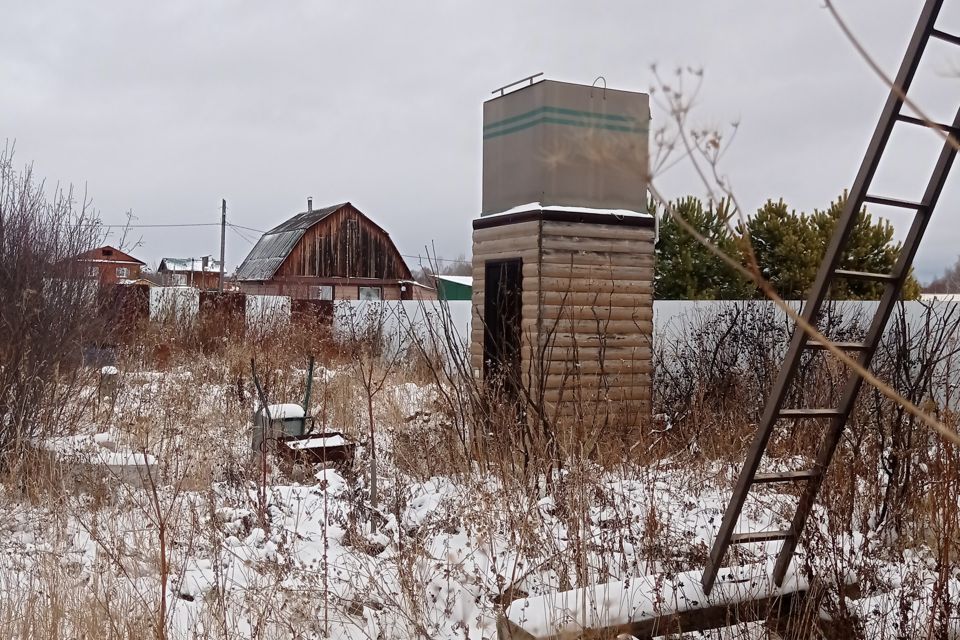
(312, 313)
(125, 307)
(221, 315)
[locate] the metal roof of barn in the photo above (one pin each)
(275, 245)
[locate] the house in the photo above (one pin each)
(454, 287)
(334, 253)
(202, 273)
(110, 265)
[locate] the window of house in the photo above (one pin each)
(371, 293)
(178, 279)
(93, 271)
(108, 252)
(321, 292)
(123, 272)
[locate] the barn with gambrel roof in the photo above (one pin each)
(333, 253)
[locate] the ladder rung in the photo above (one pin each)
(785, 476)
(893, 202)
(832, 268)
(759, 536)
(810, 413)
(865, 275)
(920, 122)
(946, 37)
(846, 346)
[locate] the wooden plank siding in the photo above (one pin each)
(342, 248)
(345, 244)
(505, 242)
(587, 315)
(343, 289)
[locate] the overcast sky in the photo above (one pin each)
(167, 107)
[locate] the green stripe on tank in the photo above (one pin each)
(544, 119)
(613, 117)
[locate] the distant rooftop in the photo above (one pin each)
(464, 280)
(189, 265)
(277, 243)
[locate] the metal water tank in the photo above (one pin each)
(276, 421)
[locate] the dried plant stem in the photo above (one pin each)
(810, 330)
(861, 50)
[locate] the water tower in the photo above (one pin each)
(563, 254)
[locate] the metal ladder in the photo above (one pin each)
(811, 479)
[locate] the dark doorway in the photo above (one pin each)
(502, 304)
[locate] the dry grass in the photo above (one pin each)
(190, 407)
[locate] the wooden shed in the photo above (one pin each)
(563, 286)
(333, 253)
(454, 287)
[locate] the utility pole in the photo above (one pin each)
(223, 238)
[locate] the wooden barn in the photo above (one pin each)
(334, 253)
(563, 258)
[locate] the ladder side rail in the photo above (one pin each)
(845, 224)
(854, 383)
(861, 184)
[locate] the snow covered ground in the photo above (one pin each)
(167, 518)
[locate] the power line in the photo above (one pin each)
(172, 225)
(149, 226)
(242, 237)
(248, 228)
(237, 228)
(432, 259)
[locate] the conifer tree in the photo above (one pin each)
(686, 270)
(786, 248)
(871, 247)
(789, 247)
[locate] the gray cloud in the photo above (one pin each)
(166, 107)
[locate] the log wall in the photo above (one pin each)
(587, 314)
(595, 328)
(504, 242)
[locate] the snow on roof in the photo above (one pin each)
(187, 265)
(416, 284)
(466, 281)
(533, 206)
